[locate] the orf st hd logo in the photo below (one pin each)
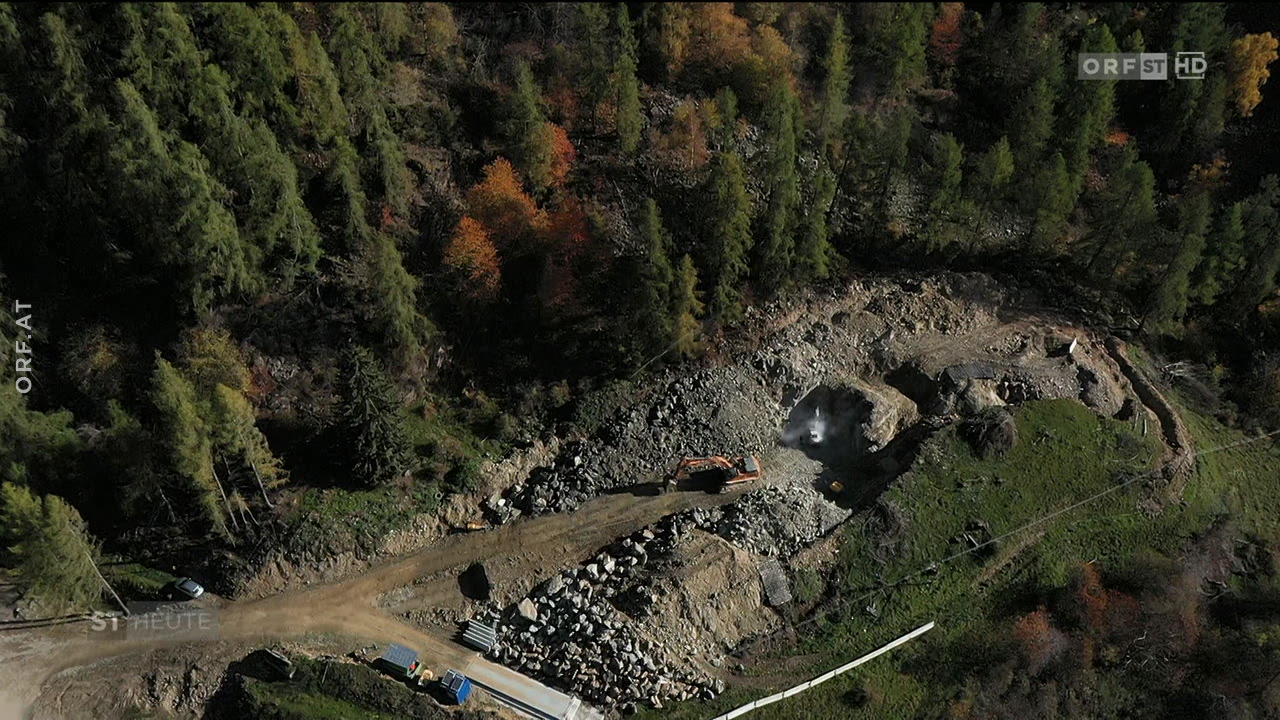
(1140, 66)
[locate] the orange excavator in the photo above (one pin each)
(719, 472)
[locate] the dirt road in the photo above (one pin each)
(30, 660)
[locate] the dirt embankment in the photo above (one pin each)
(1178, 462)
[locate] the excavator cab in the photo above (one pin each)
(716, 472)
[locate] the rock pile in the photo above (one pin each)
(562, 486)
(779, 521)
(569, 632)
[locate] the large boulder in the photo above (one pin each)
(889, 413)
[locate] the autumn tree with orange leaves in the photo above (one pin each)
(471, 253)
(500, 203)
(563, 155)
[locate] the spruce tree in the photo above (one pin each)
(1169, 299)
(729, 215)
(1124, 215)
(187, 443)
(593, 53)
(53, 555)
(686, 308)
(655, 281)
(1054, 201)
(630, 121)
(813, 253)
(373, 430)
(1032, 125)
(834, 107)
(777, 244)
(529, 136)
(994, 171)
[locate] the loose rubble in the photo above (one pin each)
(571, 632)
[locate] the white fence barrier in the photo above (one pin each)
(825, 676)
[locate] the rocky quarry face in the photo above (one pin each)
(842, 392)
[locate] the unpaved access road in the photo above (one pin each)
(33, 663)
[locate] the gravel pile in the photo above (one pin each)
(779, 521)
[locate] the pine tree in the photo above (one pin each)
(1224, 257)
(160, 57)
(241, 42)
(630, 119)
(729, 211)
(528, 133)
(655, 281)
(686, 308)
(1091, 111)
(323, 110)
(593, 53)
(726, 134)
(1262, 230)
(947, 166)
(186, 439)
(1054, 201)
(389, 294)
(994, 171)
(273, 219)
(501, 204)
(1033, 125)
(1247, 62)
(669, 33)
(36, 448)
(901, 47)
(834, 107)
(373, 429)
(358, 63)
(1124, 215)
(1191, 113)
(236, 435)
(777, 244)
(51, 550)
(210, 357)
(361, 67)
(19, 519)
(187, 227)
(813, 254)
(1169, 299)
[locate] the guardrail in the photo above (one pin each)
(754, 704)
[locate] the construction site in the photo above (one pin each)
(626, 568)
